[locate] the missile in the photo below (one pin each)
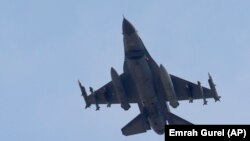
(119, 90)
(202, 93)
(168, 87)
(96, 103)
(189, 92)
(106, 96)
(84, 94)
(213, 89)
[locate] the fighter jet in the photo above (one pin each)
(147, 84)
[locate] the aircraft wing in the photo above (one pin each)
(186, 90)
(106, 94)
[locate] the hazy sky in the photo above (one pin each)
(46, 46)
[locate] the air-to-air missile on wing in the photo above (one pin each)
(149, 85)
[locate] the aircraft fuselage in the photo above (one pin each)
(140, 72)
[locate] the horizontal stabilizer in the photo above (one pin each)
(136, 126)
(176, 120)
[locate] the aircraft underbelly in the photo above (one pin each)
(142, 78)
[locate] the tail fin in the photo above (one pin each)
(176, 120)
(137, 125)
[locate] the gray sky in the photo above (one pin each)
(46, 46)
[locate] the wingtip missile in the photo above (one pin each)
(82, 88)
(209, 75)
(79, 83)
(213, 89)
(84, 94)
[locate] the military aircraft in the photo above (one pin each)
(149, 85)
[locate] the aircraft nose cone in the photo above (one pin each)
(127, 27)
